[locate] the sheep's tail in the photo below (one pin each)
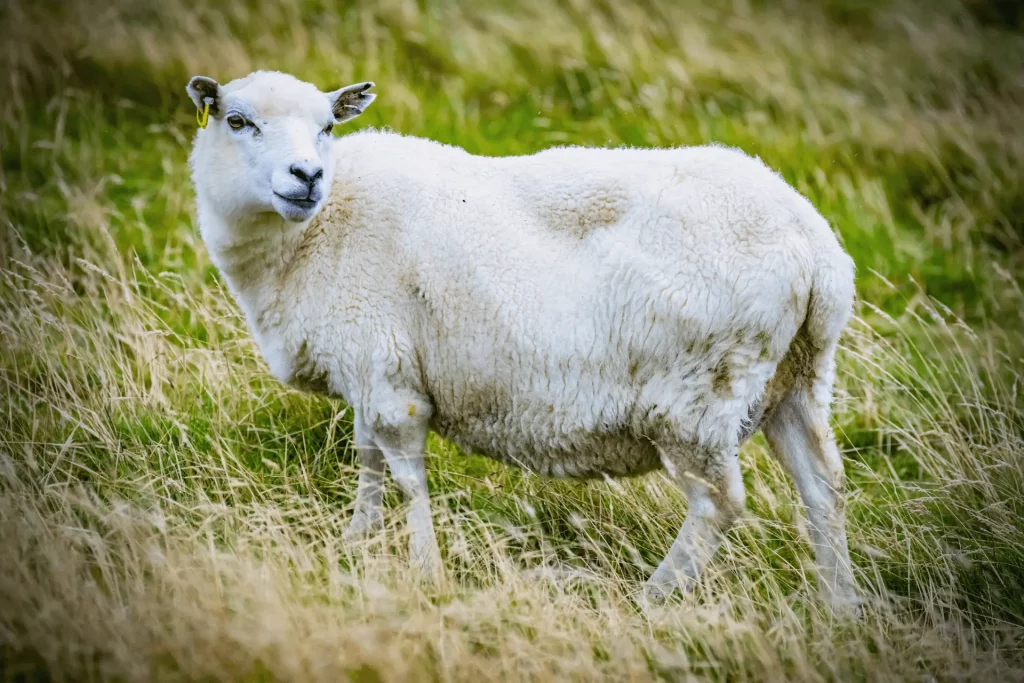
(830, 304)
(829, 308)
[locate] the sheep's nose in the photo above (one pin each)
(307, 173)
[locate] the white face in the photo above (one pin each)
(268, 143)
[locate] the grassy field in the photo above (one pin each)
(170, 512)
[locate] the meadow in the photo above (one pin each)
(168, 511)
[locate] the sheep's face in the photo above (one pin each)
(267, 145)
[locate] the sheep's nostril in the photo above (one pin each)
(307, 174)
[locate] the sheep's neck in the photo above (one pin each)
(257, 255)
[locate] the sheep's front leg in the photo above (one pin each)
(409, 472)
(370, 492)
(399, 429)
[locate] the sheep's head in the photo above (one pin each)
(267, 144)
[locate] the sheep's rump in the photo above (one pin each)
(578, 308)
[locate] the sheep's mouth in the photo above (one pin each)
(304, 202)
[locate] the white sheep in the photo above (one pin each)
(577, 312)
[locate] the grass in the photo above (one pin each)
(169, 512)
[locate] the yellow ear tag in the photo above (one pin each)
(202, 118)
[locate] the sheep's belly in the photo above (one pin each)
(580, 455)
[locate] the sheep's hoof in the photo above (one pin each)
(362, 526)
(656, 593)
(429, 569)
(846, 605)
(665, 580)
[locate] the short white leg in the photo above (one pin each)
(367, 516)
(405, 460)
(802, 440)
(716, 498)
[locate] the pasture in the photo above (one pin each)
(168, 511)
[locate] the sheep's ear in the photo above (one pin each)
(202, 90)
(350, 101)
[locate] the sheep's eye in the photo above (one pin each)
(328, 128)
(236, 122)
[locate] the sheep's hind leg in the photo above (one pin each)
(716, 498)
(367, 516)
(802, 440)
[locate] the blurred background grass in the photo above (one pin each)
(171, 511)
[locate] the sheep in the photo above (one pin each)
(577, 312)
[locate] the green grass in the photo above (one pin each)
(169, 511)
